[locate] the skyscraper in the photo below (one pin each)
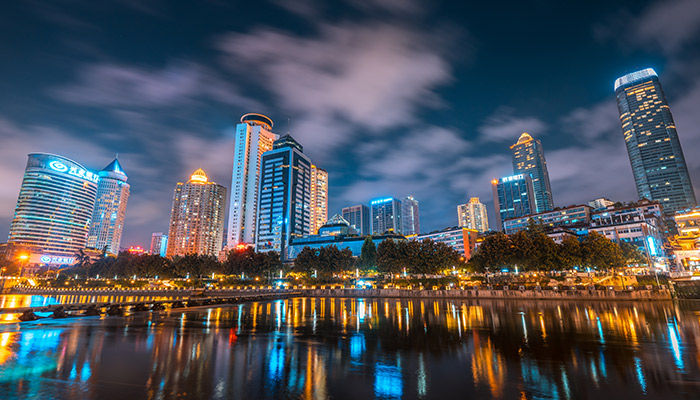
(319, 198)
(253, 137)
(285, 196)
(473, 215)
(55, 203)
(513, 196)
(159, 244)
(410, 218)
(110, 209)
(385, 215)
(358, 217)
(528, 158)
(197, 218)
(655, 153)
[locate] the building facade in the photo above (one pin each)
(473, 215)
(54, 209)
(600, 203)
(385, 216)
(528, 159)
(319, 198)
(459, 238)
(569, 217)
(358, 218)
(253, 137)
(159, 244)
(686, 244)
(410, 216)
(658, 165)
(513, 197)
(285, 197)
(110, 209)
(197, 217)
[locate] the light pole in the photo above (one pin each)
(22, 260)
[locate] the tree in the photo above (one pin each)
(307, 261)
(368, 255)
(599, 252)
(632, 255)
(494, 252)
(389, 259)
(81, 259)
(569, 251)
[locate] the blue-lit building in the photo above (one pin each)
(528, 159)
(110, 209)
(513, 197)
(570, 217)
(159, 244)
(358, 217)
(385, 216)
(658, 165)
(410, 216)
(284, 197)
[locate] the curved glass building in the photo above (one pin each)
(110, 209)
(55, 203)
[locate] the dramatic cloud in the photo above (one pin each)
(590, 124)
(502, 126)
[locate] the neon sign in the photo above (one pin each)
(75, 171)
(379, 201)
(512, 178)
(57, 260)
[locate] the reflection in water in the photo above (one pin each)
(359, 348)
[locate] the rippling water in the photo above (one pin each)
(310, 348)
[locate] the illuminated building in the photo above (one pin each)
(319, 197)
(358, 217)
(159, 244)
(285, 196)
(570, 217)
(197, 218)
(686, 244)
(528, 158)
(473, 215)
(385, 216)
(600, 203)
(110, 209)
(138, 250)
(459, 238)
(513, 196)
(410, 217)
(688, 222)
(55, 203)
(253, 137)
(658, 165)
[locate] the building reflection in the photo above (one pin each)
(317, 348)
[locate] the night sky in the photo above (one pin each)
(392, 97)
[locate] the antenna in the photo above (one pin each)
(288, 124)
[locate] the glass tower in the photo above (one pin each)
(386, 216)
(658, 164)
(410, 217)
(110, 209)
(358, 217)
(513, 197)
(528, 158)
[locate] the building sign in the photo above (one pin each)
(380, 201)
(75, 171)
(57, 260)
(512, 178)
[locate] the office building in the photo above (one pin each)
(385, 216)
(658, 165)
(319, 198)
(513, 196)
(528, 159)
(410, 217)
(459, 238)
(110, 209)
(253, 137)
(572, 217)
(285, 197)
(473, 215)
(197, 217)
(358, 217)
(159, 244)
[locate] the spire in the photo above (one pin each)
(199, 176)
(115, 166)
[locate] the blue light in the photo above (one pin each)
(652, 245)
(380, 201)
(388, 383)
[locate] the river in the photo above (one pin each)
(322, 348)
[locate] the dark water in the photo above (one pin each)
(362, 349)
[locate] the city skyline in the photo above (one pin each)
(172, 107)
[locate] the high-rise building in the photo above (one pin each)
(285, 197)
(513, 196)
(319, 198)
(197, 218)
(54, 207)
(528, 158)
(410, 217)
(358, 218)
(253, 137)
(658, 165)
(110, 209)
(159, 244)
(385, 216)
(473, 215)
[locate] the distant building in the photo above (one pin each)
(253, 137)
(600, 203)
(572, 216)
(285, 197)
(658, 164)
(138, 250)
(459, 238)
(197, 217)
(558, 235)
(686, 244)
(528, 159)
(358, 217)
(159, 244)
(473, 215)
(110, 209)
(385, 216)
(410, 217)
(513, 197)
(319, 198)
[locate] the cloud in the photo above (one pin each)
(502, 125)
(589, 124)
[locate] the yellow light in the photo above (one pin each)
(24, 257)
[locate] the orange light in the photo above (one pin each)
(24, 257)
(241, 247)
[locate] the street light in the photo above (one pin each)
(22, 258)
